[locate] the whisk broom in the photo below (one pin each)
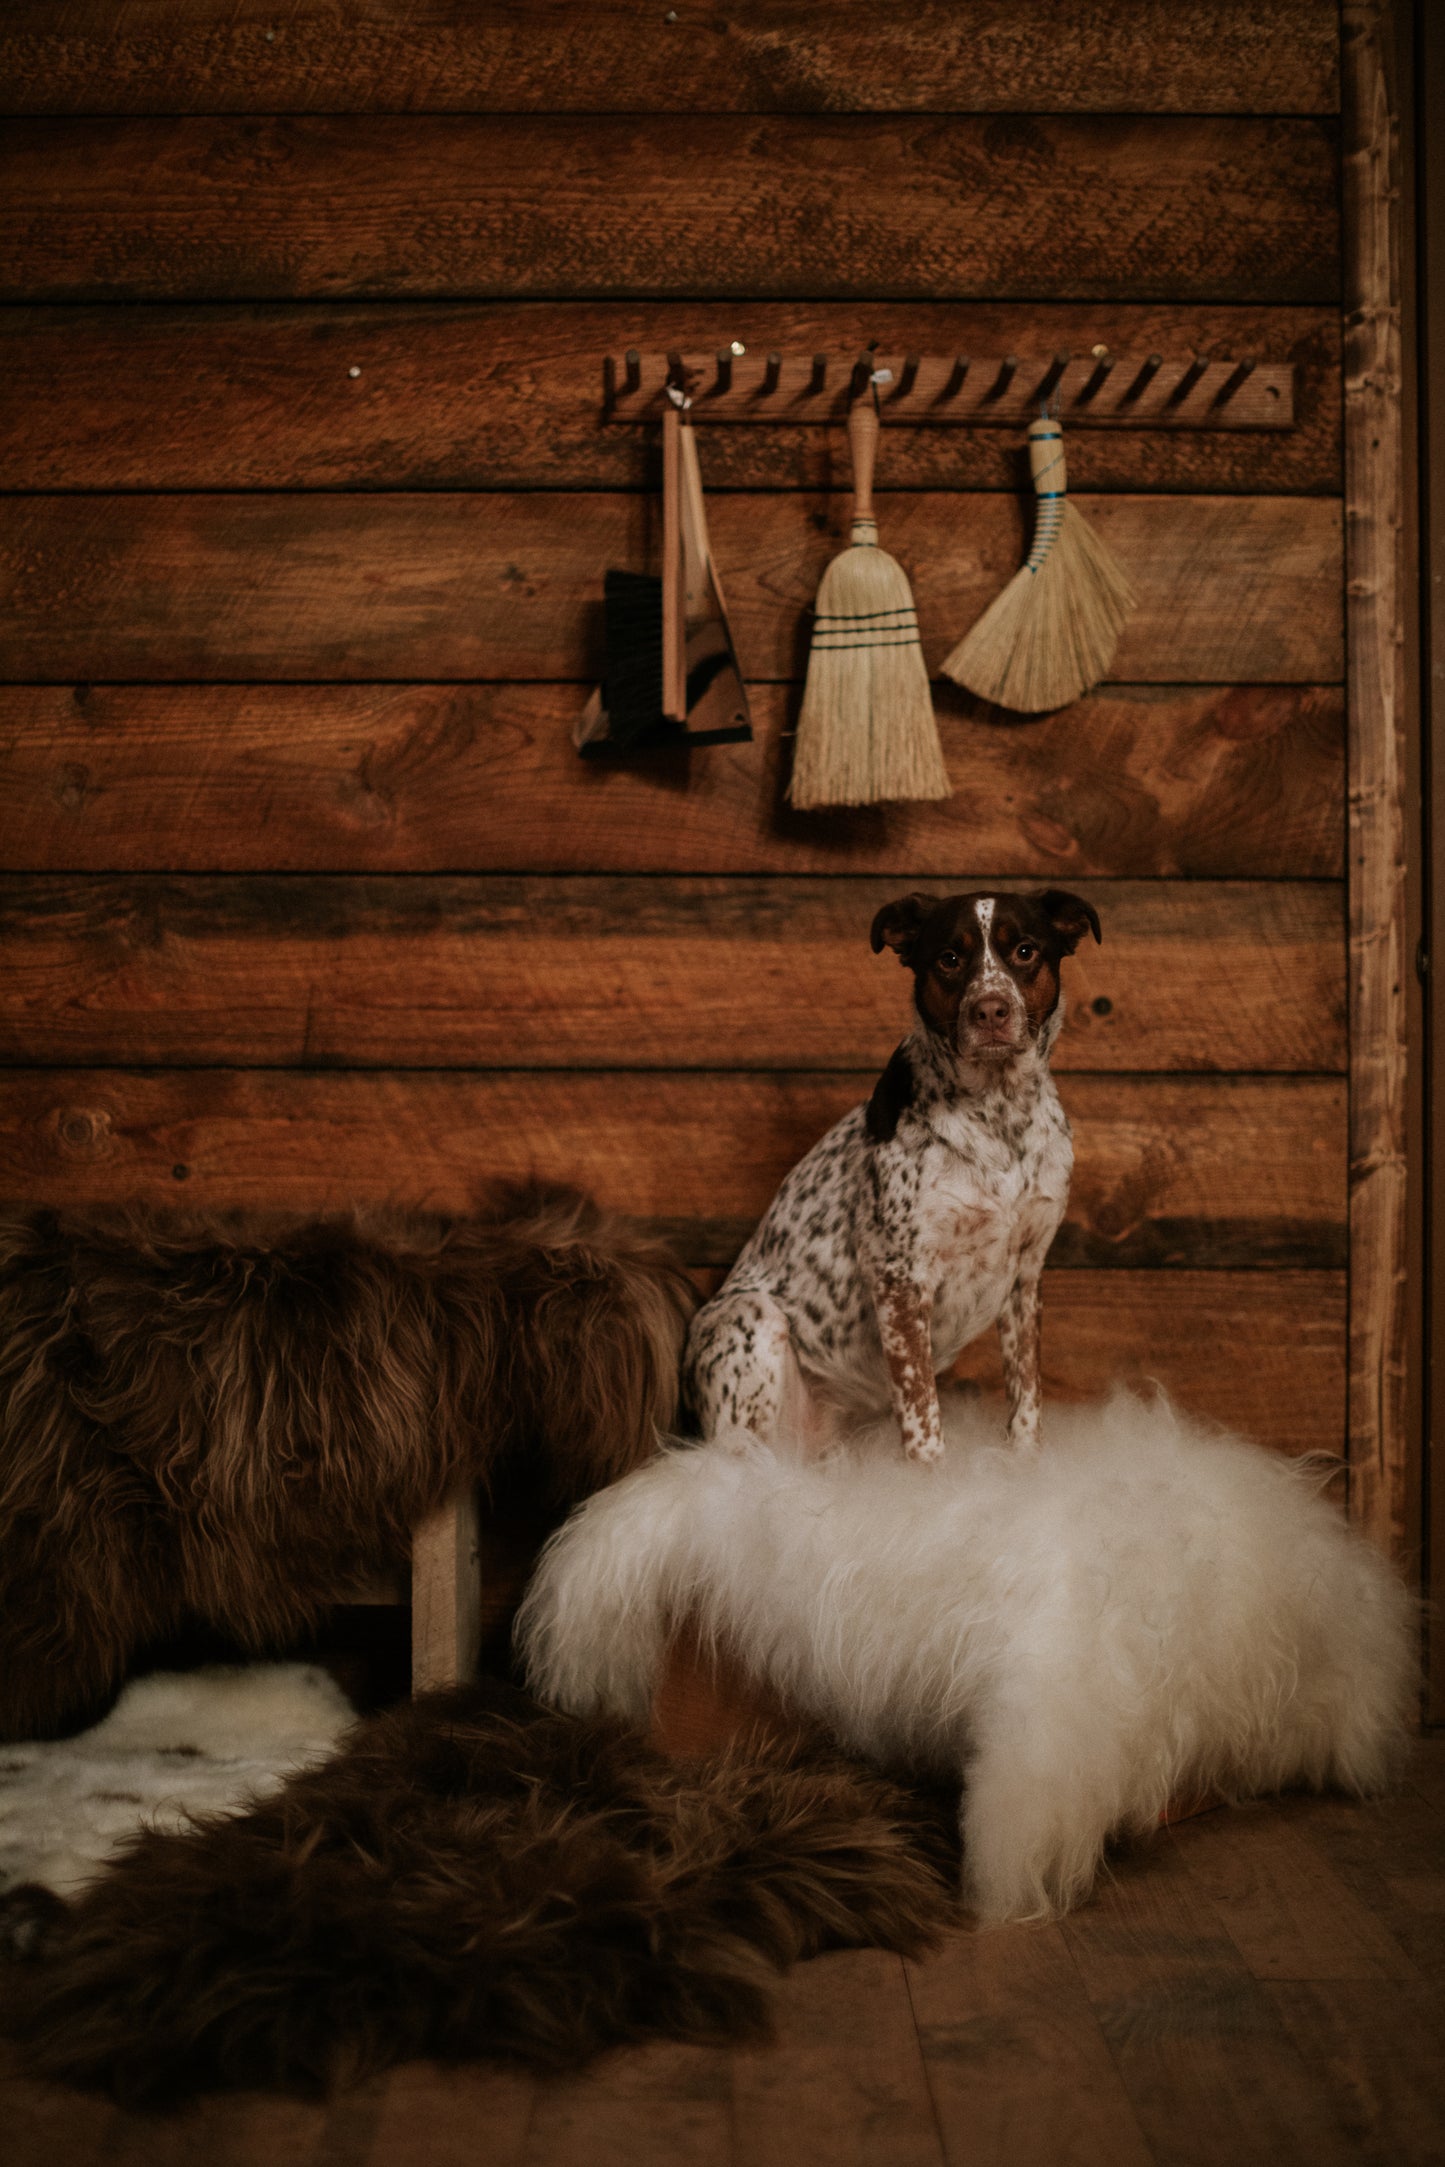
(866, 733)
(1051, 634)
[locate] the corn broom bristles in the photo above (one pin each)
(866, 733)
(1052, 633)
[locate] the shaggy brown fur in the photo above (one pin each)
(473, 1876)
(232, 1421)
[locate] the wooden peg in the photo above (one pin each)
(1188, 380)
(1098, 377)
(820, 374)
(956, 376)
(1007, 370)
(1145, 376)
(1239, 374)
(1049, 381)
(634, 369)
(772, 372)
(724, 361)
(909, 376)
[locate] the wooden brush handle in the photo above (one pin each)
(674, 629)
(1046, 459)
(863, 446)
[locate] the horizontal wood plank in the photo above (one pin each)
(1262, 1352)
(1170, 1172)
(178, 56)
(1230, 589)
(624, 972)
(500, 396)
(933, 208)
(1215, 782)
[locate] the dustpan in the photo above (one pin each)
(670, 646)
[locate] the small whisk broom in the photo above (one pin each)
(866, 733)
(1052, 633)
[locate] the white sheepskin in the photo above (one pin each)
(1144, 1610)
(175, 1744)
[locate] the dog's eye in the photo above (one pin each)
(1025, 952)
(948, 961)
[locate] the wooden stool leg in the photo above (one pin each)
(446, 1596)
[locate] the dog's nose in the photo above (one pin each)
(990, 1012)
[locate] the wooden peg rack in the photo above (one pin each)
(1088, 391)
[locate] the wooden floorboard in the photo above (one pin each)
(657, 2103)
(843, 2084)
(1017, 2064)
(1377, 2056)
(1206, 2059)
(1262, 1983)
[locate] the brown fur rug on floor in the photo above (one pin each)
(235, 1420)
(471, 1876)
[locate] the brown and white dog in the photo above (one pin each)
(925, 1214)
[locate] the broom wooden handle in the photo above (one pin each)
(1046, 459)
(674, 629)
(863, 447)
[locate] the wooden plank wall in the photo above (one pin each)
(305, 896)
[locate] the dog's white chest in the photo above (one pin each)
(990, 1200)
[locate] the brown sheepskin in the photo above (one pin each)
(233, 1420)
(471, 1876)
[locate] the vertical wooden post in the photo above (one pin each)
(1379, 958)
(446, 1595)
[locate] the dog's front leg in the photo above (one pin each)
(1018, 1336)
(903, 1327)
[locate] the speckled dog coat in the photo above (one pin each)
(924, 1215)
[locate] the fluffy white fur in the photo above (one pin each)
(175, 1744)
(1143, 1610)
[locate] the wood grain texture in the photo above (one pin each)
(1208, 2064)
(177, 56)
(429, 2115)
(668, 2100)
(1376, 2054)
(1287, 1911)
(1170, 1172)
(446, 1596)
(1209, 782)
(993, 2012)
(827, 207)
(622, 972)
(1261, 1353)
(504, 586)
(509, 395)
(1383, 1451)
(843, 2080)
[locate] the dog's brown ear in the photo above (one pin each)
(1070, 916)
(896, 925)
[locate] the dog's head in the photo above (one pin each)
(986, 967)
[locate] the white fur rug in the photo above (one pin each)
(175, 1744)
(1145, 1610)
